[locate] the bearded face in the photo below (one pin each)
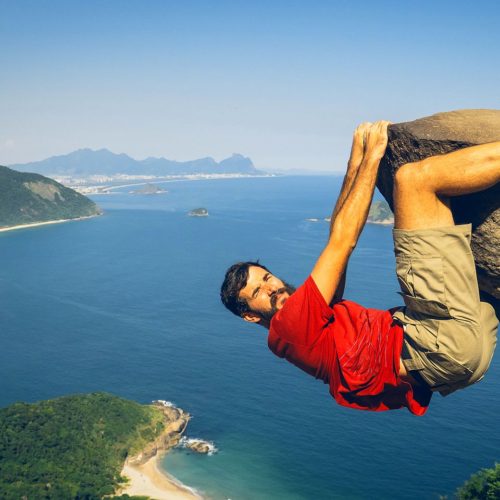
(277, 300)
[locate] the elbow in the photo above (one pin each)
(345, 236)
(344, 240)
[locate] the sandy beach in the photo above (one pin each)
(149, 480)
(36, 224)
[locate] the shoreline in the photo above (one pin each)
(149, 479)
(45, 223)
(107, 190)
(384, 222)
(145, 475)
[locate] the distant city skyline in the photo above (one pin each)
(283, 83)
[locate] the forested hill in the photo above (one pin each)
(73, 446)
(28, 198)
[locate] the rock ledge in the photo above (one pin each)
(439, 134)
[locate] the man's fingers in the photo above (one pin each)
(376, 139)
(362, 129)
(363, 125)
(378, 128)
(369, 138)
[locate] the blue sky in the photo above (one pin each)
(282, 82)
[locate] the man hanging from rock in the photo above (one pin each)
(444, 337)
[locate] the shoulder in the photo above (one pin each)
(303, 315)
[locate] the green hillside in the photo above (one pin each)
(483, 484)
(71, 447)
(29, 198)
(380, 212)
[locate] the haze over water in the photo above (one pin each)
(128, 303)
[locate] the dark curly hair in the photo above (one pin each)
(234, 281)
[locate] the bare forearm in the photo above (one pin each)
(352, 215)
(355, 159)
(329, 271)
(349, 179)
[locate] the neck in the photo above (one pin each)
(266, 323)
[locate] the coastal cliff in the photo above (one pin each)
(175, 422)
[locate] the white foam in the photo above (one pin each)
(166, 404)
(185, 442)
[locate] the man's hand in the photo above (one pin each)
(358, 145)
(375, 140)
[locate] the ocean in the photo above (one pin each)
(129, 303)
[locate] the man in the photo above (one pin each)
(444, 337)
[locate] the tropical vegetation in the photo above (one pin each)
(29, 198)
(71, 447)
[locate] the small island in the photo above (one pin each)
(380, 213)
(198, 212)
(149, 189)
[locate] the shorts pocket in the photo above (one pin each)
(403, 273)
(429, 308)
(426, 277)
(443, 372)
(422, 319)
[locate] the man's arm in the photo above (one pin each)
(355, 159)
(350, 213)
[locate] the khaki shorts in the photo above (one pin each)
(450, 335)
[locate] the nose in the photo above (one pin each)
(271, 288)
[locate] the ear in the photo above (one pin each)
(251, 317)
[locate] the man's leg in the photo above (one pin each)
(422, 189)
(450, 335)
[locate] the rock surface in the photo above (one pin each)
(440, 134)
(198, 212)
(176, 421)
(198, 445)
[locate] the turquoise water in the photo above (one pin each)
(128, 303)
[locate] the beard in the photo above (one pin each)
(268, 315)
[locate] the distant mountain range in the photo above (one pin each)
(85, 162)
(29, 198)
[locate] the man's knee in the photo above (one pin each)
(412, 176)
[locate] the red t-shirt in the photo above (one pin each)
(353, 349)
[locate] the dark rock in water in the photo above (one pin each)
(149, 189)
(198, 212)
(440, 134)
